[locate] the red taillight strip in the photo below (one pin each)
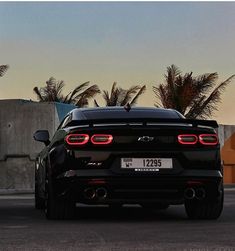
(108, 139)
(96, 182)
(203, 136)
(181, 141)
(85, 140)
(194, 183)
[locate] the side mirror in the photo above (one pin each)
(42, 136)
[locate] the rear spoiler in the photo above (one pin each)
(147, 121)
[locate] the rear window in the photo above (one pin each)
(113, 114)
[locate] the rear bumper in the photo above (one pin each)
(137, 188)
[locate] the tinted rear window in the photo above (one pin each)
(112, 114)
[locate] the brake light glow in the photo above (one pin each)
(208, 139)
(187, 139)
(77, 139)
(101, 139)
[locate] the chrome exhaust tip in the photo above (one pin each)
(101, 193)
(200, 193)
(189, 194)
(89, 193)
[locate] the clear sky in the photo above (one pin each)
(128, 42)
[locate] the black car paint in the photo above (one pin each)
(199, 165)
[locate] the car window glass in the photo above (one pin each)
(64, 122)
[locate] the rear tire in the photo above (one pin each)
(38, 201)
(208, 209)
(58, 208)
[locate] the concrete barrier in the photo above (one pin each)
(19, 119)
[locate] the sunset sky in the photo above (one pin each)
(128, 42)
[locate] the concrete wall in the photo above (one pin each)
(227, 141)
(19, 119)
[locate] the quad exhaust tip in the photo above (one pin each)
(191, 193)
(99, 193)
(200, 193)
(89, 193)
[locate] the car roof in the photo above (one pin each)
(118, 111)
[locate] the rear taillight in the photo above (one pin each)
(187, 139)
(192, 139)
(101, 139)
(77, 139)
(208, 139)
(82, 139)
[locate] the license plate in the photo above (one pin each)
(146, 164)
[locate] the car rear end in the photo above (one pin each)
(138, 158)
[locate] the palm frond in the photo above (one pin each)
(117, 97)
(51, 82)
(129, 93)
(120, 96)
(53, 89)
(172, 72)
(82, 102)
(206, 82)
(161, 95)
(106, 97)
(210, 104)
(195, 108)
(113, 89)
(140, 92)
(58, 88)
(188, 94)
(96, 103)
(114, 95)
(38, 93)
(3, 69)
(66, 98)
(78, 89)
(90, 92)
(83, 98)
(223, 85)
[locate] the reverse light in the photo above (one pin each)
(208, 139)
(187, 139)
(77, 139)
(101, 139)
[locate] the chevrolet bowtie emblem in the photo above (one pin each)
(145, 139)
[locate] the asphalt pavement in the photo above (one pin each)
(100, 228)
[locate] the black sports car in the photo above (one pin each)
(123, 155)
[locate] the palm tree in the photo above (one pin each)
(3, 69)
(52, 92)
(120, 97)
(194, 97)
